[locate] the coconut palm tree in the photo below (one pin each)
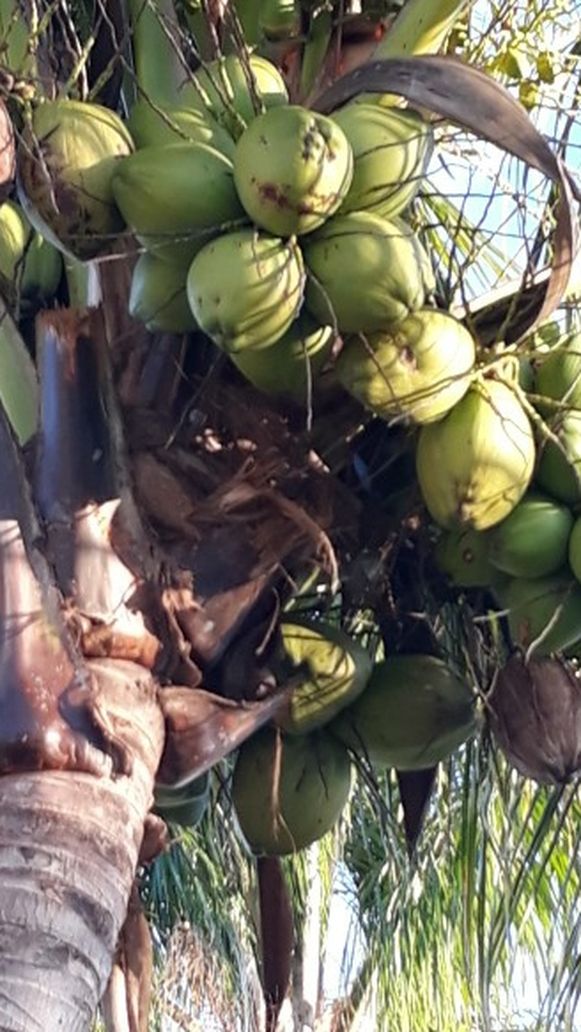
(158, 514)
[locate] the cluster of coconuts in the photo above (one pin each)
(531, 558)
(277, 243)
(277, 232)
(291, 782)
(272, 232)
(292, 779)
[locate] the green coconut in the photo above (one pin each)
(30, 267)
(559, 470)
(391, 150)
(151, 127)
(289, 366)
(559, 376)
(532, 541)
(475, 465)
(288, 792)
(185, 805)
(158, 296)
(547, 608)
(526, 374)
(418, 370)
(574, 548)
(463, 556)
(365, 272)
(245, 289)
(414, 712)
(292, 169)
(177, 196)
(68, 155)
(280, 19)
(338, 666)
(235, 89)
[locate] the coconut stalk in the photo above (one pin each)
(421, 27)
(197, 14)
(315, 49)
(105, 64)
(19, 37)
(159, 68)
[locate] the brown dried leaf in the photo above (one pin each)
(202, 728)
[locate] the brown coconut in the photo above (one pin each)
(535, 715)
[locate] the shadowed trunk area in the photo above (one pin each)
(81, 733)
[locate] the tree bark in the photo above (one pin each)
(81, 736)
(69, 846)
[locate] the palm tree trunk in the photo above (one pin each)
(69, 850)
(80, 735)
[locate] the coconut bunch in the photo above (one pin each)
(292, 779)
(531, 559)
(249, 222)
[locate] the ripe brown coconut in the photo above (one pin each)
(535, 714)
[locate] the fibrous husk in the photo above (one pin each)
(245, 289)
(534, 711)
(418, 370)
(66, 161)
(288, 792)
(475, 465)
(292, 169)
(338, 669)
(176, 197)
(366, 272)
(414, 712)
